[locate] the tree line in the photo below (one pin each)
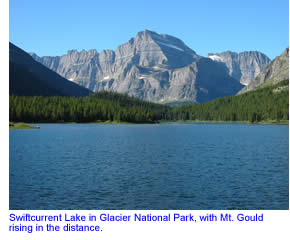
(255, 106)
(106, 106)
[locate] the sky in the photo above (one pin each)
(51, 28)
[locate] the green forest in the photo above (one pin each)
(265, 104)
(102, 106)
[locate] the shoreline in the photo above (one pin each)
(283, 122)
(21, 125)
(24, 125)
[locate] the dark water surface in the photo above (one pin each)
(168, 166)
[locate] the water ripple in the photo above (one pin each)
(190, 166)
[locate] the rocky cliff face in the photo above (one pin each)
(151, 66)
(244, 66)
(275, 72)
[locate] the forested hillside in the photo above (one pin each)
(266, 104)
(269, 103)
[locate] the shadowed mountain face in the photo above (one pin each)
(151, 66)
(275, 72)
(27, 77)
(244, 66)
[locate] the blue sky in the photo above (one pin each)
(50, 28)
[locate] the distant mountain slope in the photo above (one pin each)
(275, 72)
(27, 77)
(151, 66)
(243, 66)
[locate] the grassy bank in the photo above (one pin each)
(21, 126)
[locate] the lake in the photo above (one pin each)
(157, 166)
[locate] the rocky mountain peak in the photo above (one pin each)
(161, 49)
(158, 67)
(285, 53)
(243, 66)
(72, 52)
(276, 71)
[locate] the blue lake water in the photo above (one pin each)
(158, 166)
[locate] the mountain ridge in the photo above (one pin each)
(151, 66)
(275, 72)
(243, 66)
(28, 77)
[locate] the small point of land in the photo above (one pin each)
(21, 126)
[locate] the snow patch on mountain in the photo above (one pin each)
(215, 58)
(171, 46)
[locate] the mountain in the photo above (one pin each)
(27, 77)
(244, 66)
(275, 72)
(151, 66)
